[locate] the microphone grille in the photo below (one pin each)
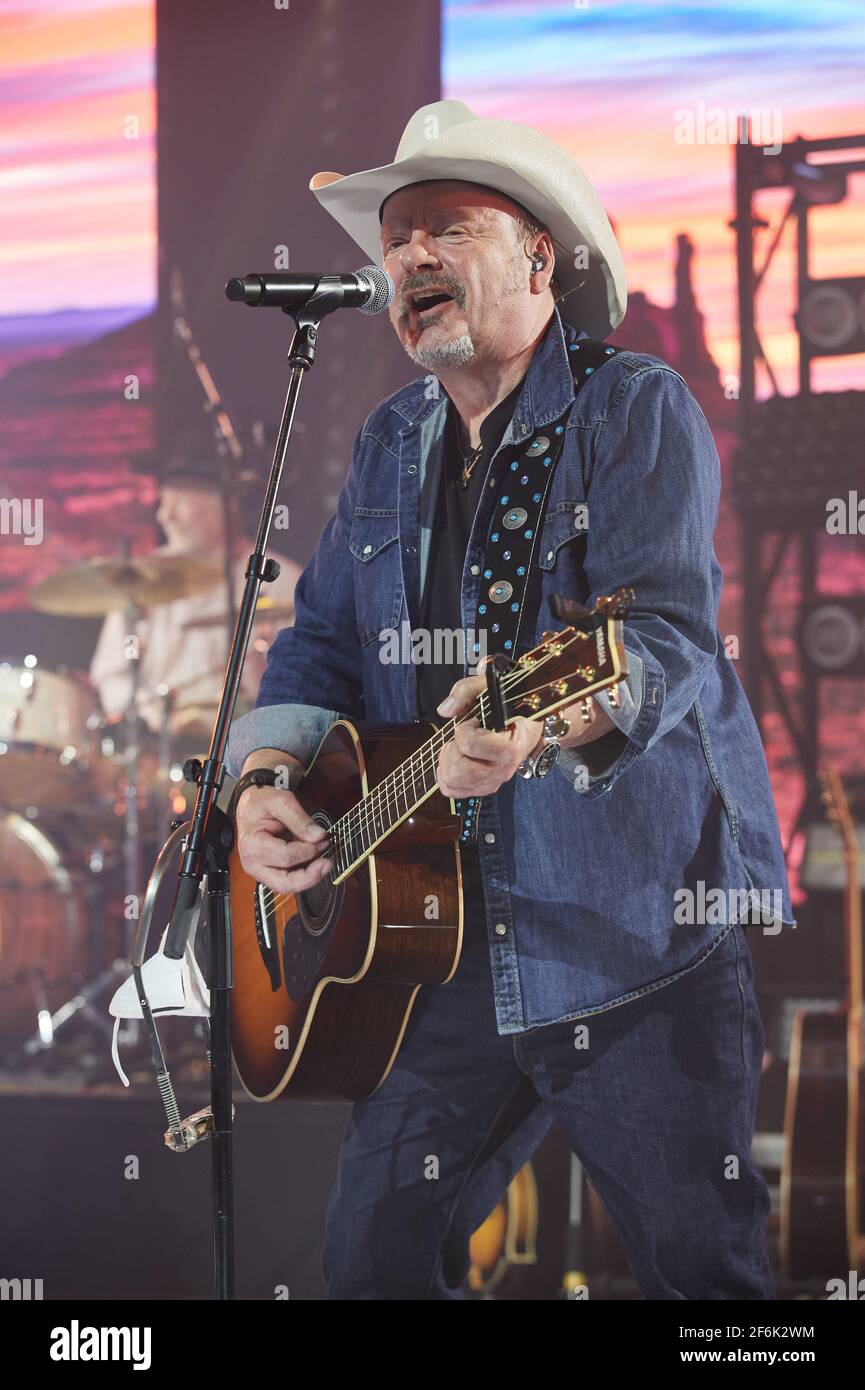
(382, 286)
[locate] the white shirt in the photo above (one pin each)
(189, 660)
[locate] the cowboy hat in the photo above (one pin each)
(446, 140)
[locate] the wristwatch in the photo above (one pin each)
(539, 764)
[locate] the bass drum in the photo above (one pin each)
(42, 929)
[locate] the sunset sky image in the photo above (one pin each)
(608, 80)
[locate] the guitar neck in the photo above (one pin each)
(835, 798)
(567, 666)
(853, 929)
(362, 829)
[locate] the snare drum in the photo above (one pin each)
(42, 928)
(45, 734)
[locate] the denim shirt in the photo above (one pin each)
(595, 887)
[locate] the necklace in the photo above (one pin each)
(469, 460)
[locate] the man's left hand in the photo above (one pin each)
(477, 761)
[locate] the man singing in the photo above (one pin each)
(582, 997)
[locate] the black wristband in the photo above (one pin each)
(256, 777)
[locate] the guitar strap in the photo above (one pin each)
(511, 541)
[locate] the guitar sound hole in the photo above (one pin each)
(319, 906)
(306, 934)
(316, 906)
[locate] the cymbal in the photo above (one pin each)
(101, 585)
(265, 611)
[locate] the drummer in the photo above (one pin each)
(182, 645)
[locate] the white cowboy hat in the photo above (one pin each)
(446, 140)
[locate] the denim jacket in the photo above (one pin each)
(596, 888)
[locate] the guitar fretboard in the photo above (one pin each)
(358, 832)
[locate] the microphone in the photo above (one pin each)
(369, 289)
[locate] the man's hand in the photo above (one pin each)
(478, 761)
(278, 843)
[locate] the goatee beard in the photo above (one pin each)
(443, 356)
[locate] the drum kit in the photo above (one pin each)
(86, 801)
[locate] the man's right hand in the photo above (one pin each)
(279, 845)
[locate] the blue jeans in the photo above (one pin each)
(656, 1097)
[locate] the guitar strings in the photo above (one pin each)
(345, 835)
(355, 823)
(372, 806)
(362, 817)
(353, 827)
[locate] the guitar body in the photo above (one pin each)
(324, 981)
(814, 1197)
(508, 1236)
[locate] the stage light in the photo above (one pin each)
(832, 637)
(831, 316)
(818, 185)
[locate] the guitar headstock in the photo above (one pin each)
(834, 798)
(572, 664)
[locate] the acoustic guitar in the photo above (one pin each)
(508, 1237)
(324, 980)
(821, 1174)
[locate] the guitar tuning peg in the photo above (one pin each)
(586, 709)
(614, 695)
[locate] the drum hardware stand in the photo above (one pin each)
(210, 839)
(132, 815)
(166, 697)
(81, 1003)
(574, 1276)
(228, 445)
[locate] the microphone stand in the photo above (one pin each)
(211, 834)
